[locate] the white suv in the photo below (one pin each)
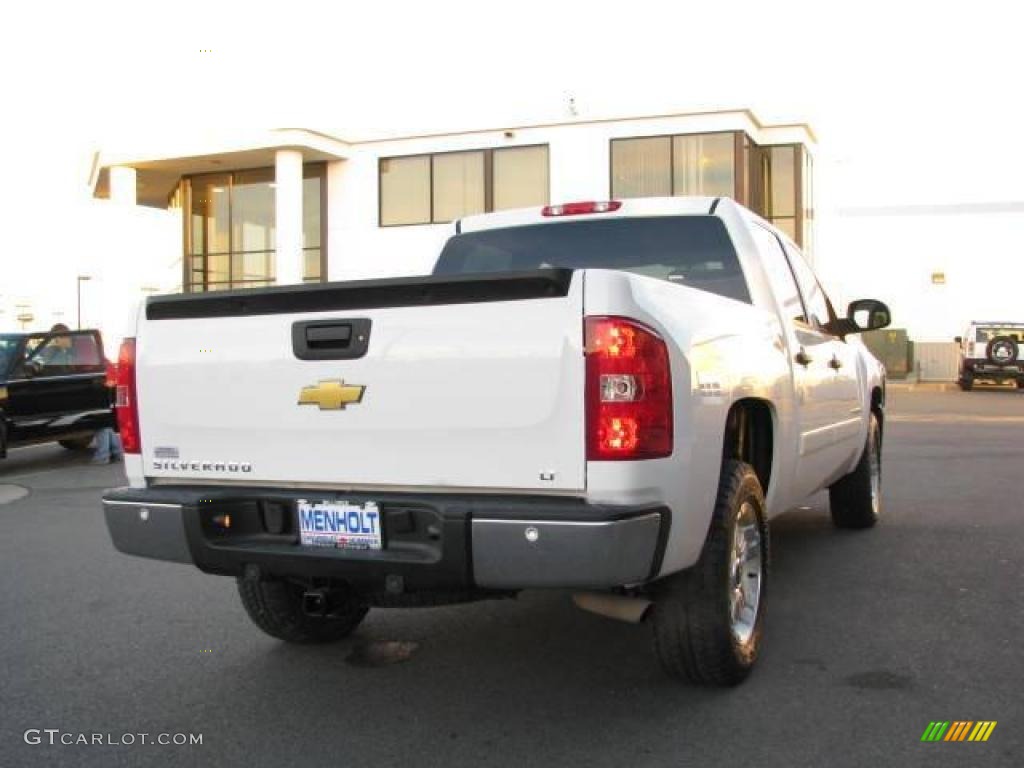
(991, 351)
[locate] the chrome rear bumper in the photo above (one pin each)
(431, 541)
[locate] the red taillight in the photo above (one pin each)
(126, 404)
(574, 209)
(629, 391)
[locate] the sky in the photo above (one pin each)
(913, 102)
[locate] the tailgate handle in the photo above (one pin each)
(346, 339)
(336, 336)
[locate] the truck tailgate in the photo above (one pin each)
(465, 385)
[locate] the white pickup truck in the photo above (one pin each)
(612, 398)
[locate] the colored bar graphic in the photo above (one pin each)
(958, 730)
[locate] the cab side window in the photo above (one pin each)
(779, 275)
(818, 314)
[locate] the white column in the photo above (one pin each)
(122, 185)
(288, 215)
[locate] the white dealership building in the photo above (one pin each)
(301, 204)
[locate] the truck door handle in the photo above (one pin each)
(802, 357)
(346, 339)
(835, 363)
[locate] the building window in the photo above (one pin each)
(230, 232)
(807, 193)
(773, 181)
(520, 177)
(405, 190)
(314, 221)
(694, 164)
(704, 165)
(782, 199)
(781, 190)
(642, 167)
(457, 185)
(438, 188)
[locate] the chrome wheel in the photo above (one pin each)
(745, 574)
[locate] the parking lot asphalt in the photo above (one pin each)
(870, 636)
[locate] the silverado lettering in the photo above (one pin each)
(177, 465)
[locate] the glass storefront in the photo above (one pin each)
(230, 228)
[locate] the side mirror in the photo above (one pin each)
(958, 339)
(33, 368)
(868, 315)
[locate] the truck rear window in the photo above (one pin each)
(687, 250)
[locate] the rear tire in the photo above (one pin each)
(966, 384)
(76, 444)
(708, 620)
(856, 499)
(275, 606)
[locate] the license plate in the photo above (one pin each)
(339, 524)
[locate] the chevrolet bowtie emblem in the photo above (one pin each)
(331, 395)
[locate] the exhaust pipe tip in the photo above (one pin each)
(619, 607)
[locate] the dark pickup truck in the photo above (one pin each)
(53, 387)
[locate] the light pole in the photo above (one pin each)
(24, 315)
(81, 279)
